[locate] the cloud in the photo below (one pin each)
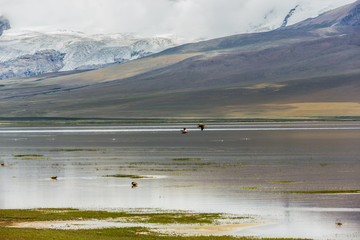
(191, 19)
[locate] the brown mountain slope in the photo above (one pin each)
(329, 96)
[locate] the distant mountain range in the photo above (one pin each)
(309, 70)
(30, 53)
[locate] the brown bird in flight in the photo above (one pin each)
(201, 126)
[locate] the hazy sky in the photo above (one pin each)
(190, 19)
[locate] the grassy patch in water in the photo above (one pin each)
(162, 170)
(93, 234)
(250, 188)
(132, 233)
(325, 191)
(186, 159)
(57, 214)
(287, 182)
(73, 150)
(28, 155)
(180, 218)
(126, 176)
(9, 216)
(45, 214)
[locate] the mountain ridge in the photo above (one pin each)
(292, 72)
(347, 15)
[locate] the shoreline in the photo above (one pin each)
(178, 229)
(173, 223)
(54, 121)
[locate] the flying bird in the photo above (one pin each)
(201, 126)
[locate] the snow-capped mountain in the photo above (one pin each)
(275, 14)
(27, 53)
(348, 15)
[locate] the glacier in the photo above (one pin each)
(80, 51)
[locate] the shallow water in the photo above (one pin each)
(242, 169)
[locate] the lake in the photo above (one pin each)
(265, 171)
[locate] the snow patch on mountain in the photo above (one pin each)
(81, 51)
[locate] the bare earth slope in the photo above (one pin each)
(307, 70)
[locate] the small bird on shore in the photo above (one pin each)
(134, 184)
(3, 164)
(338, 223)
(54, 177)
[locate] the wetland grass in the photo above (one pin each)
(126, 176)
(62, 214)
(74, 150)
(44, 214)
(11, 216)
(326, 191)
(133, 233)
(250, 188)
(28, 155)
(186, 159)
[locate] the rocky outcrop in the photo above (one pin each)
(353, 17)
(4, 24)
(29, 65)
(288, 16)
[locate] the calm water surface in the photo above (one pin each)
(242, 169)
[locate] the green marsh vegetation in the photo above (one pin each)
(250, 188)
(186, 159)
(28, 155)
(325, 191)
(133, 233)
(126, 176)
(61, 214)
(74, 150)
(10, 216)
